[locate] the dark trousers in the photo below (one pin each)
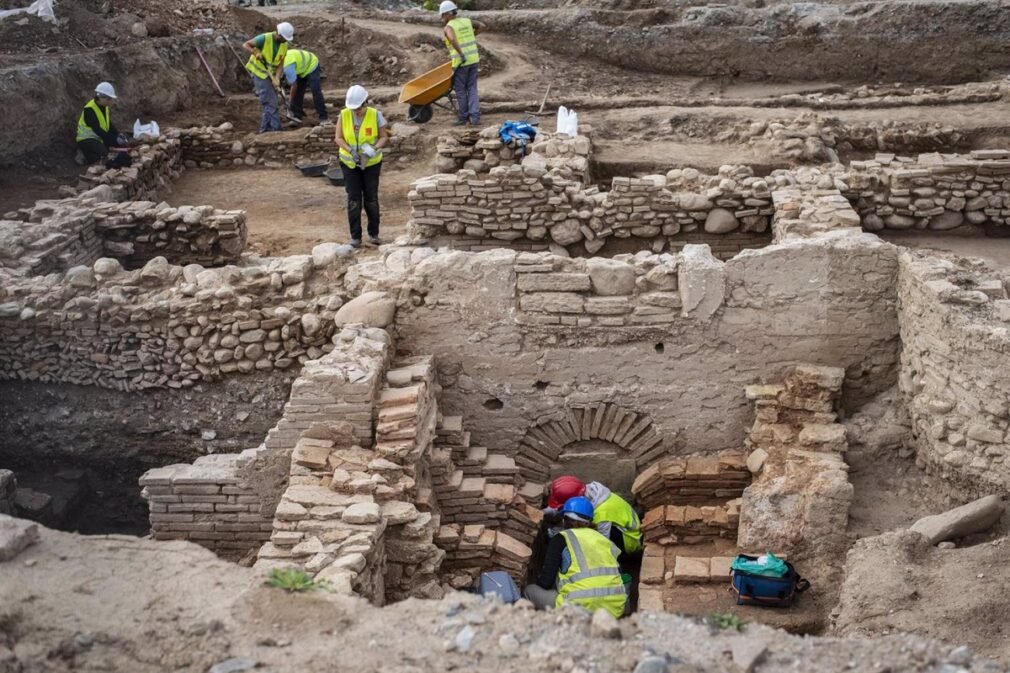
(314, 82)
(95, 150)
(362, 186)
(464, 82)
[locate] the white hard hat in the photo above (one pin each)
(356, 96)
(446, 7)
(287, 31)
(105, 89)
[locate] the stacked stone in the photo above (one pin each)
(932, 191)
(804, 213)
(640, 290)
(136, 231)
(210, 503)
(220, 146)
(953, 323)
(797, 446)
(8, 488)
(531, 206)
(481, 151)
(692, 480)
(473, 549)
(690, 524)
(154, 168)
(49, 244)
(164, 325)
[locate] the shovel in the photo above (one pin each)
(279, 90)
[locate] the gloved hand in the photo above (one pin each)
(354, 155)
(368, 150)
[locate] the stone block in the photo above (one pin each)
(691, 570)
(975, 517)
(16, 535)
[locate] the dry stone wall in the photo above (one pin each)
(955, 332)
(166, 325)
(480, 151)
(222, 147)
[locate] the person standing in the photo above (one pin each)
(97, 135)
(580, 566)
(460, 37)
(301, 69)
(361, 134)
(267, 53)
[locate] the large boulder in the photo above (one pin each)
(372, 309)
(15, 536)
(610, 277)
(720, 221)
(975, 517)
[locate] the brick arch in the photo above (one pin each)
(630, 430)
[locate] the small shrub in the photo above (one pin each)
(292, 580)
(726, 621)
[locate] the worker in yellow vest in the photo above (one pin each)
(613, 516)
(301, 69)
(266, 58)
(97, 135)
(460, 37)
(361, 134)
(580, 566)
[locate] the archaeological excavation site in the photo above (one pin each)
(756, 294)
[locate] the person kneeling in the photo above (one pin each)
(580, 566)
(97, 135)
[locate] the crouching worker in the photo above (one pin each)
(361, 134)
(301, 70)
(580, 566)
(97, 135)
(613, 516)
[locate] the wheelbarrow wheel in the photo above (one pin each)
(420, 114)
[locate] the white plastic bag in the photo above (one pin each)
(150, 129)
(40, 8)
(568, 121)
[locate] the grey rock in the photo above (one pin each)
(610, 277)
(720, 221)
(372, 309)
(948, 219)
(16, 535)
(960, 656)
(652, 664)
(464, 639)
(107, 266)
(747, 653)
(156, 270)
(566, 232)
(604, 625)
(81, 277)
(509, 645)
(234, 665)
(362, 513)
(974, 517)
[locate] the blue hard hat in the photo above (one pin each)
(578, 507)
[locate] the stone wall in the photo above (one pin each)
(508, 363)
(222, 147)
(154, 167)
(954, 319)
(40, 245)
(932, 191)
(166, 325)
(8, 488)
(223, 502)
(483, 150)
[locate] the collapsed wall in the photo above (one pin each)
(953, 318)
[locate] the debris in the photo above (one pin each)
(975, 517)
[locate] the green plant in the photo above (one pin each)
(292, 580)
(726, 620)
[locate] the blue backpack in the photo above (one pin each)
(774, 592)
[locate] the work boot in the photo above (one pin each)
(459, 122)
(375, 240)
(355, 242)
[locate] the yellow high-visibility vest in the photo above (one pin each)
(273, 55)
(305, 61)
(85, 132)
(618, 512)
(593, 579)
(463, 28)
(368, 133)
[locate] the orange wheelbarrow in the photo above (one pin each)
(422, 92)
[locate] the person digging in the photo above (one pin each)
(613, 516)
(302, 70)
(361, 133)
(266, 59)
(97, 136)
(580, 566)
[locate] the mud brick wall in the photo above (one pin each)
(933, 191)
(221, 146)
(954, 320)
(135, 232)
(165, 325)
(219, 502)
